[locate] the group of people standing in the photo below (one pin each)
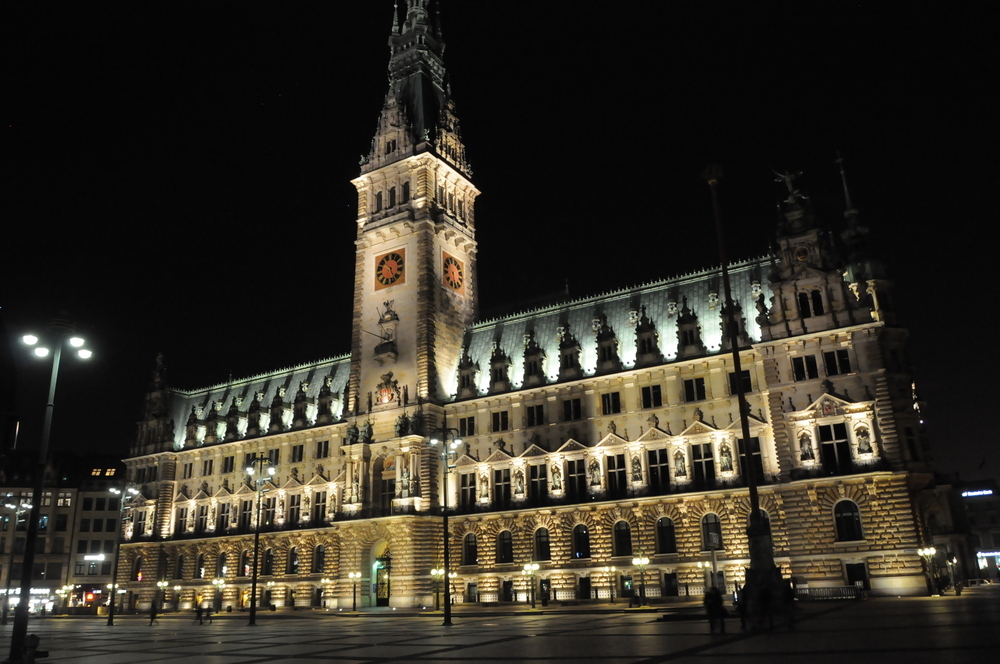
(765, 607)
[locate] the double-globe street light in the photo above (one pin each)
(448, 452)
(125, 496)
(928, 555)
(60, 334)
(266, 469)
(529, 572)
(354, 577)
(641, 561)
(610, 571)
(437, 574)
(162, 585)
(19, 508)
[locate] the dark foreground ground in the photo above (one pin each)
(914, 631)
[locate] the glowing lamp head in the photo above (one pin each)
(271, 470)
(249, 470)
(434, 441)
(85, 354)
(76, 342)
(30, 339)
(41, 351)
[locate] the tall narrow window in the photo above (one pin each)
(406, 193)
(659, 470)
(467, 497)
(538, 485)
(501, 487)
(652, 396)
(179, 567)
(294, 510)
(199, 568)
(378, 202)
(392, 197)
(847, 521)
(758, 462)
(319, 507)
(576, 480)
(244, 567)
(136, 569)
(703, 465)
(542, 551)
(267, 568)
(711, 532)
(505, 547)
(292, 564)
(817, 302)
(611, 403)
(666, 540)
(319, 559)
(835, 451)
(623, 539)
(581, 542)
(470, 550)
(694, 389)
(221, 566)
(571, 410)
(617, 476)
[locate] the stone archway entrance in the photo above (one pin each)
(381, 567)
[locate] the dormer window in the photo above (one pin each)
(467, 370)
(534, 361)
(689, 333)
(569, 354)
(390, 146)
(810, 304)
(499, 370)
(607, 347)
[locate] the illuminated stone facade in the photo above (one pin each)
(593, 430)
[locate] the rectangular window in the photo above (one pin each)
(467, 497)
(501, 487)
(152, 474)
(744, 378)
(84, 525)
(110, 525)
(536, 415)
(248, 459)
(694, 389)
(140, 524)
(95, 546)
(81, 546)
(758, 462)
(43, 522)
(274, 456)
(109, 546)
(112, 504)
(105, 569)
(572, 410)
(659, 471)
(835, 451)
(100, 504)
(92, 569)
(222, 520)
(611, 403)
(837, 362)
(467, 426)
(58, 544)
(617, 476)
(182, 520)
(207, 466)
(538, 484)
(64, 500)
(652, 396)
(228, 464)
(201, 525)
(576, 479)
(294, 509)
(804, 368)
(704, 465)
(268, 506)
(140, 475)
(322, 449)
(319, 507)
(298, 453)
(188, 471)
(501, 420)
(88, 504)
(19, 545)
(98, 526)
(246, 514)
(80, 569)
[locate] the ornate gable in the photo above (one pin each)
(533, 451)
(499, 455)
(612, 439)
(571, 446)
(697, 428)
(465, 460)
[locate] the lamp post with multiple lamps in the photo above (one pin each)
(354, 577)
(261, 463)
(177, 598)
(448, 453)
(162, 585)
(641, 561)
(610, 571)
(18, 508)
(325, 588)
(928, 555)
(437, 574)
(529, 572)
(220, 586)
(60, 334)
(124, 497)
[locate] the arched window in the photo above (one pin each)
(244, 567)
(179, 568)
(623, 539)
(378, 202)
(199, 569)
(470, 550)
(137, 569)
(220, 566)
(542, 549)
(319, 559)
(581, 542)
(666, 539)
(505, 547)
(711, 532)
(292, 564)
(406, 193)
(847, 521)
(267, 568)
(804, 310)
(392, 197)
(817, 299)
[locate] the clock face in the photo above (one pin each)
(454, 273)
(389, 269)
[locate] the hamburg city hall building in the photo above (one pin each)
(591, 431)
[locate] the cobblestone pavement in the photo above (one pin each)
(916, 630)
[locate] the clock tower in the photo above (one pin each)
(414, 284)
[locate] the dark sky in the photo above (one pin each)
(176, 175)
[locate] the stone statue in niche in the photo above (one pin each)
(355, 489)
(352, 434)
(404, 477)
(556, 478)
(204, 488)
(612, 427)
(864, 440)
(367, 430)
(225, 484)
(636, 469)
(319, 470)
(295, 474)
(519, 482)
(726, 457)
(417, 424)
(654, 421)
(402, 425)
(805, 447)
(680, 468)
(595, 473)
(484, 487)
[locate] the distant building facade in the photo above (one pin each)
(592, 430)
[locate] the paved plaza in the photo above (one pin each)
(914, 630)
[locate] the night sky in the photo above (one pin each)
(176, 175)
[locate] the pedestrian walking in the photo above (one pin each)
(715, 610)
(208, 615)
(152, 616)
(789, 601)
(198, 615)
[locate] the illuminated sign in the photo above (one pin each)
(987, 554)
(34, 591)
(980, 492)
(96, 556)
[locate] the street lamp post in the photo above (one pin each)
(19, 509)
(641, 561)
(220, 585)
(437, 574)
(61, 333)
(354, 577)
(928, 555)
(177, 598)
(267, 469)
(610, 571)
(325, 585)
(124, 497)
(529, 572)
(162, 585)
(448, 452)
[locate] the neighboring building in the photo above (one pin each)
(95, 531)
(982, 507)
(592, 430)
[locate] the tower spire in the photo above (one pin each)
(850, 212)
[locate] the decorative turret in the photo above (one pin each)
(155, 432)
